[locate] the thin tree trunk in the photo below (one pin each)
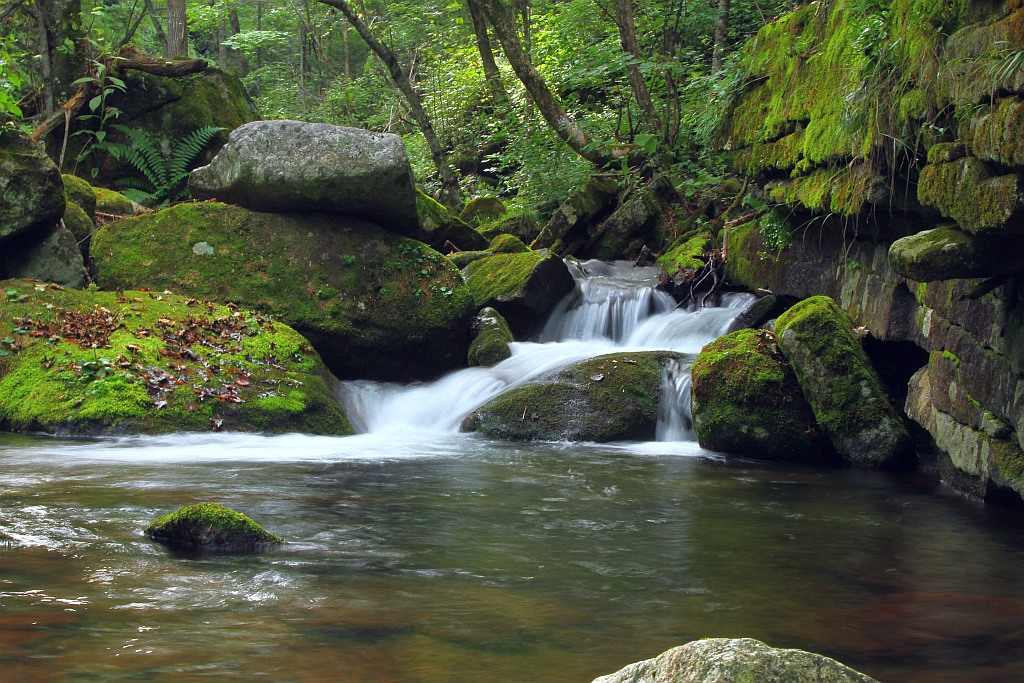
(158, 26)
(499, 96)
(348, 52)
(721, 36)
(631, 46)
(550, 108)
(177, 30)
(450, 192)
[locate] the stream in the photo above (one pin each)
(418, 554)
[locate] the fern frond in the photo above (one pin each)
(143, 153)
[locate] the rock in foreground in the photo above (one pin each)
(287, 166)
(211, 527)
(723, 660)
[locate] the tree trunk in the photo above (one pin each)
(450, 193)
(177, 30)
(550, 108)
(60, 21)
(158, 26)
(499, 96)
(721, 36)
(236, 58)
(631, 46)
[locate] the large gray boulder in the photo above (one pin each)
(291, 166)
(724, 660)
(56, 258)
(843, 390)
(31, 189)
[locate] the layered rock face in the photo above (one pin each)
(920, 246)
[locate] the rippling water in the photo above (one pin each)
(420, 555)
(461, 559)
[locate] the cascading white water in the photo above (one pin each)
(615, 308)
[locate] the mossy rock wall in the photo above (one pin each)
(747, 401)
(80, 363)
(375, 305)
(608, 398)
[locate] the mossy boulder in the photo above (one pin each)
(948, 253)
(491, 340)
(295, 166)
(113, 203)
(978, 197)
(507, 244)
(523, 287)
(375, 305)
(169, 108)
(211, 527)
(482, 210)
(586, 207)
(461, 259)
(526, 226)
(441, 229)
(81, 193)
(608, 398)
(78, 362)
(739, 660)
(845, 395)
(31, 190)
(687, 253)
(747, 401)
(78, 223)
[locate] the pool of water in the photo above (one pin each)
(427, 558)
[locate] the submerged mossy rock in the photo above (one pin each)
(845, 394)
(747, 401)
(490, 344)
(31, 190)
(81, 193)
(948, 253)
(211, 527)
(294, 166)
(608, 398)
(88, 363)
(523, 287)
(442, 230)
(375, 305)
(739, 660)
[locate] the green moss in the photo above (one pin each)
(502, 276)
(836, 376)
(81, 226)
(369, 299)
(82, 362)
(482, 210)
(687, 255)
(966, 191)
(81, 193)
(210, 526)
(507, 244)
(113, 203)
(491, 343)
(998, 136)
(746, 400)
(946, 152)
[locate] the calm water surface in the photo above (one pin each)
(452, 558)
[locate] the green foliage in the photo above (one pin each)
(101, 115)
(164, 173)
(13, 78)
(776, 232)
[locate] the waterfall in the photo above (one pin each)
(615, 308)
